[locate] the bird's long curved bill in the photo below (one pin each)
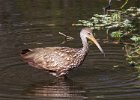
(97, 44)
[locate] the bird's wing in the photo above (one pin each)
(34, 57)
(51, 58)
(60, 57)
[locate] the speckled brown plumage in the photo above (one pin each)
(59, 60)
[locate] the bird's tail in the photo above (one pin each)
(26, 54)
(25, 51)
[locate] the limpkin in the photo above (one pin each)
(59, 60)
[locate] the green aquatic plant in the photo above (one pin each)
(126, 1)
(119, 25)
(115, 20)
(117, 35)
(133, 51)
(116, 16)
(136, 39)
(133, 55)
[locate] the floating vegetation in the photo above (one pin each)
(114, 20)
(136, 39)
(120, 26)
(133, 51)
(117, 35)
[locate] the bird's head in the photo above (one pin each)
(87, 32)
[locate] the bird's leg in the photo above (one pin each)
(61, 73)
(62, 77)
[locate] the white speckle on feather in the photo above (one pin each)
(68, 58)
(55, 64)
(55, 52)
(74, 56)
(52, 59)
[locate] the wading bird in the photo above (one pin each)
(59, 60)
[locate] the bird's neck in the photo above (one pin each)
(85, 44)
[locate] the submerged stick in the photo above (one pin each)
(66, 36)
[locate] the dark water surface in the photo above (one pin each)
(36, 23)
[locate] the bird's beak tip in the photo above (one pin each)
(104, 54)
(97, 44)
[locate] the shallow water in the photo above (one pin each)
(36, 23)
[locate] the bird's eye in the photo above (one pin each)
(88, 33)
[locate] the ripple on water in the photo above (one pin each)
(90, 81)
(110, 85)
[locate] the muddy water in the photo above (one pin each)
(36, 23)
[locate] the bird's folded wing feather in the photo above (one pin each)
(51, 58)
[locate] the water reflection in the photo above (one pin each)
(60, 89)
